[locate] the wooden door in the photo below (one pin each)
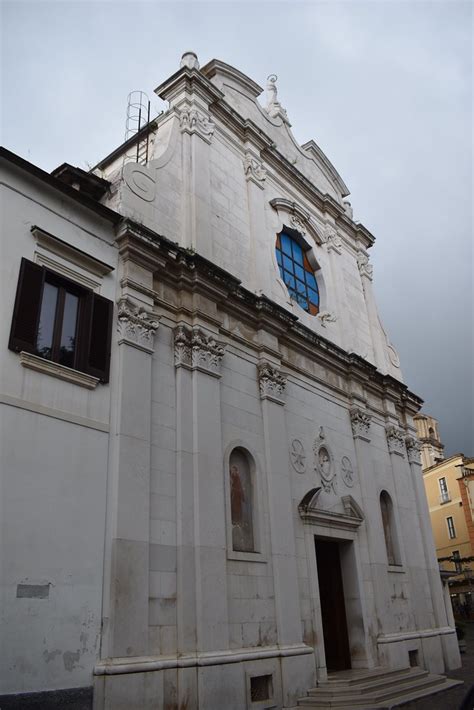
(333, 610)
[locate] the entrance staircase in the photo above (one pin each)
(377, 689)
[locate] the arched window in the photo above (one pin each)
(388, 521)
(296, 272)
(241, 500)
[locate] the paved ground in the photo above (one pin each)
(452, 699)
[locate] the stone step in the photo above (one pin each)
(407, 687)
(372, 683)
(354, 677)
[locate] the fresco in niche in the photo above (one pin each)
(241, 502)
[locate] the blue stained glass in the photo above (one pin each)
(297, 253)
(289, 279)
(300, 287)
(295, 272)
(286, 244)
(299, 272)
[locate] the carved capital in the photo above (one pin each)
(360, 422)
(365, 267)
(195, 350)
(191, 121)
(413, 447)
(395, 440)
(136, 326)
(332, 239)
(271, 382)
(254, 170)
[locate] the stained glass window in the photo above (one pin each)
(296, 272)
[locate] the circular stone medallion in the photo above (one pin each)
(347, 472)
(298, 456)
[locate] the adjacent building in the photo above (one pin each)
(211, 483)
(449, 485)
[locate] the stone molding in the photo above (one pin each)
(195, 350)
(143, 664)
(193, 121)
(365, 267)
(135, 325)
(413, 447)
(55, 369)
(395, 440)
(254, 171)
(271, 383)
(360, 422)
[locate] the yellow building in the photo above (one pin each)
(449, 486)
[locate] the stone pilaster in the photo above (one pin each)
(272, 386)
(202, 595)
(127, 565)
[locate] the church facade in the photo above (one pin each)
(207, 424)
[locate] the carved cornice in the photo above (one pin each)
(135, 325)
(181, 270)
(195, 350)
(360, 422)
(395, 440)
(254, 170)
(271, 383)
(413, 447)
(350, 520)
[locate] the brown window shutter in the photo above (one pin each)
(95, 335)
(27, 307)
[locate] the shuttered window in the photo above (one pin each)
(61, 321)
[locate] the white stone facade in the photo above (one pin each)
(118, 495)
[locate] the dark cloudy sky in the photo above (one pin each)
(385, 89)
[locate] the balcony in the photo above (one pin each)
(444, 497)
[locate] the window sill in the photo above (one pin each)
(399, 569)
(246, 556)
(39, 364)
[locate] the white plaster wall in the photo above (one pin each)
(54, 457)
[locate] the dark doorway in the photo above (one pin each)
(333, 610)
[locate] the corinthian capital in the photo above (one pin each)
(196, 350)
(271, 383)
(136, 326)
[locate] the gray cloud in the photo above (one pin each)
(384, 88)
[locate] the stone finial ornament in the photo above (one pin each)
(274, 107)
(189, 60)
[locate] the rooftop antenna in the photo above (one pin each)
(138, 116)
